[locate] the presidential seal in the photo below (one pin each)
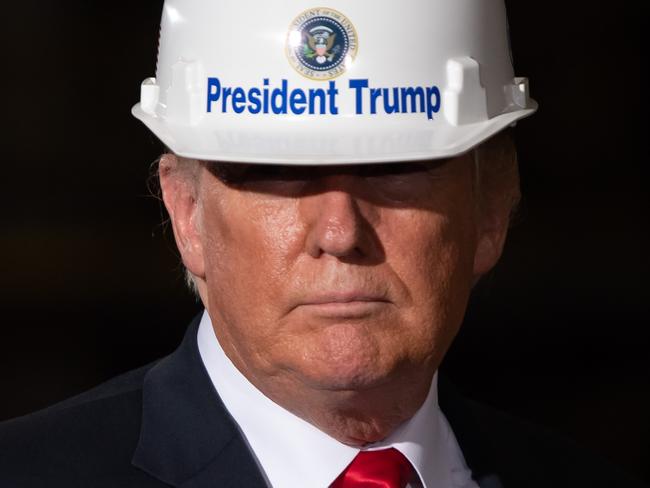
(321, 43)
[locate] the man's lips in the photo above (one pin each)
(343, 304)
(342, 297)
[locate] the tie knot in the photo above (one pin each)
(387, 468)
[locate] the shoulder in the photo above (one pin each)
(525, 455)
(96, 432)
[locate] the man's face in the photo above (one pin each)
(339, 278)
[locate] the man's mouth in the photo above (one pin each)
(350, 304)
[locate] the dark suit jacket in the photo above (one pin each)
(164, 425)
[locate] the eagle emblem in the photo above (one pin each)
(321, 43)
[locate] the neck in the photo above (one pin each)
(355, 417)
(360, 418)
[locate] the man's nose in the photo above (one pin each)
(338, 221)
(335, 225)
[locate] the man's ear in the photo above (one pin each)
(498, 196)
(179, 184)
(492, 233)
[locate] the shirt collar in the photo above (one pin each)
(292, 452)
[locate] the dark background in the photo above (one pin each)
(90, 280)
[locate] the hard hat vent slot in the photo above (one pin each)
(520, 92)
(149, 95)
(464, 99)
(184, 102)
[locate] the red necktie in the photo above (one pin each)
(387, 468)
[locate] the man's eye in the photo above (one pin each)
(390, 169)
(238, 173)
(398, 169)
(276, 172)
(227, 172)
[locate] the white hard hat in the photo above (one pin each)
(396, 81)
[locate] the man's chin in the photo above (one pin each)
(347, 379)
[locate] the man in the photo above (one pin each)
(333, 222)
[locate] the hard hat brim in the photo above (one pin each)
(295, 146)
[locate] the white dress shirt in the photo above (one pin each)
(293, 453)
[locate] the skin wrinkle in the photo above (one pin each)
(417, 242)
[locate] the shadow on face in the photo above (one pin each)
(390, 184)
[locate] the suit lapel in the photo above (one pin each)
(187, 438)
